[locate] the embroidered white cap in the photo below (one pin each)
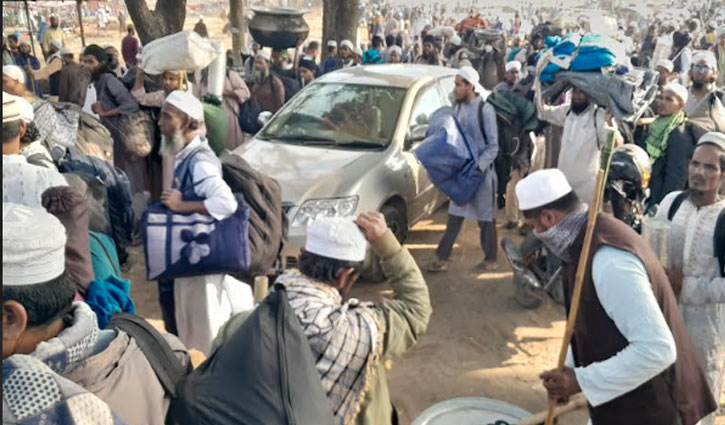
(186, 103)
(33, 245)
(348, 44)
(337, 238)
(706, 56)
(541, 187)
(677, 89)
(713, 138)
(264, 54)
(332, 43)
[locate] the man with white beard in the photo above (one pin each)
(268, 89)
(199, 304)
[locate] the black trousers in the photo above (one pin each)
(168, 305)
(488, 237)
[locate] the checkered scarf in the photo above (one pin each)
(73, 344)
(344, 338)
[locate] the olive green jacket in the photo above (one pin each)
(404, 318)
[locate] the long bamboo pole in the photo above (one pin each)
(583, 259)
(30, 27)
(79, 10)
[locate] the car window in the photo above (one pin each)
(428, 101)
(338, 114)
(447, 85)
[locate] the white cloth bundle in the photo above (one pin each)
(185, 50)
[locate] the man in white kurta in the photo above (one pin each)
(585, 134)
(202, 303)
(695, 270)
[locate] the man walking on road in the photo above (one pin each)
(478, 122)
(631, 353)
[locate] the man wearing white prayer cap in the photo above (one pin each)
(669, 144)
(703, 74)
(664, 67)
(268, 89)
(478, 123)
(41, 319)
(330, 64)
(347, 54)
(511, 78)
(197, 187)
(23, 183)
(14, 79)
(697, 266)
(630, 346)
(51, 71)
(347, 335)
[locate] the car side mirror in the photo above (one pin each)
(417, 134)
(264, 118)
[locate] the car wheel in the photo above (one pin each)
(372, 269)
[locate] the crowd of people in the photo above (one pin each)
(651, 332)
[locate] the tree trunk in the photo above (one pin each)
(238, 17)
(339, 21)
(167, 18)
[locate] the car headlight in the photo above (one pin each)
(315, 208)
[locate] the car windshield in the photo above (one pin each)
(343, 115)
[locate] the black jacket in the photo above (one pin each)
(669, 172)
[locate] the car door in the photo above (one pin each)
(427, 197)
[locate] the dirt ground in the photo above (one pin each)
(479, 343)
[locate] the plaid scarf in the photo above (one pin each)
(659, 134)
(562, 236)
(344, 337)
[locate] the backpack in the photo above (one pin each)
(264, 374)
(248, 115)
(291, 86)
(267, 220)
(719, 236)
(93, 137)
(118, 190)
(167, 367)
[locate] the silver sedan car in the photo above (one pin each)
(344, 145)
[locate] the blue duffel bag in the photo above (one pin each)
(185, 245)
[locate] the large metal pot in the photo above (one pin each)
(279, 28)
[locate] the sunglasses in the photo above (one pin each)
(701, 68)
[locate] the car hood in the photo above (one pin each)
(309, 172)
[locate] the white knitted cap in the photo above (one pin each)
(337, 238)
(33, 245)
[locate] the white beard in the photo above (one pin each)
(170, 146)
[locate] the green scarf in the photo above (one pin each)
(659, 134)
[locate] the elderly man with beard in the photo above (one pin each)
(268, 89)
(54, 33)
(352, 340)
(630, 354)
(584, 135)
(697, 269)
(347, 51)
(196, 304)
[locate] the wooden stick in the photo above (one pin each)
(582, 266)
(577, 402)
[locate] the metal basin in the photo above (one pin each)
(471, 411)
(278, 28)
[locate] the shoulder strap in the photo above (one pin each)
(676, 203)
(719, 241)
(480, 120)
(155, 348)
(465, 139)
